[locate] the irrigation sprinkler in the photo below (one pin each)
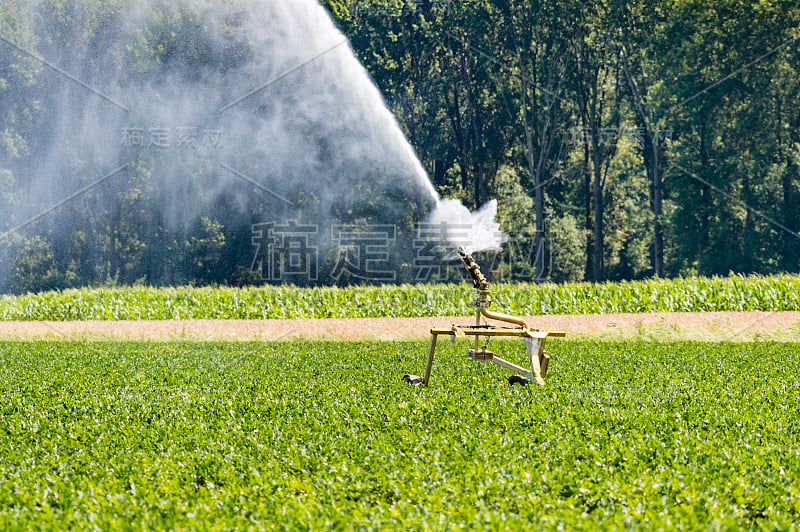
(534, 338)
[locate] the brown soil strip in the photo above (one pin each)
(706, 326)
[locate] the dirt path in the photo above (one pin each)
(736, 326)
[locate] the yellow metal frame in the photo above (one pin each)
(534, 338)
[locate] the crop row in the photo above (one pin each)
(147, 303)
(325, 435)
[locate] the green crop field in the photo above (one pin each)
(656, 295)
(325, 435)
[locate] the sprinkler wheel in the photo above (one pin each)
(412, 379)
(517, 379)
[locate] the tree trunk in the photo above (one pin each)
(539, 263)
(652, 159)
(597, 206)
(789, 184)
(791, 244)
(587, 186)
(746, 263)
(658, 233)
(705, 202)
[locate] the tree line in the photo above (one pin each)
(627, 138)
(622, 139)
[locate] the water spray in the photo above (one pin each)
(534, 338)
(260, 112)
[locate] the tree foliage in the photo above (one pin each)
(668, 128)
(623, 139)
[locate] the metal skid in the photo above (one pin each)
(534, 338)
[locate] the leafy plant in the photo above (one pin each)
(696, 294)
(325, 435)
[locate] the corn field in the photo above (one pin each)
(699, 294)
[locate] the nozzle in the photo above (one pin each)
(473, 270)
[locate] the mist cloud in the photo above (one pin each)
(171, 111)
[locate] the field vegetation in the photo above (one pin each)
(146, 303)
(318, 435)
